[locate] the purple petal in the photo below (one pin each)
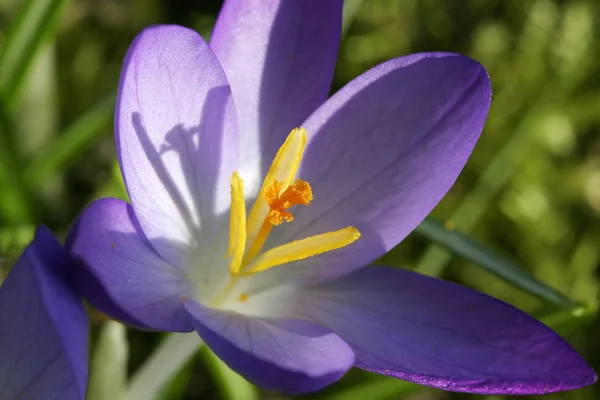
(44, 330)
(440, 334)
(383, 151)
(117, 271)
(285, 355)
(176, 138)
(279, 58)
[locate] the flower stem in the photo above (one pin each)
(174, 351)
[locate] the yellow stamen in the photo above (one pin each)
(279, 177)
(280, 191)
(304, 248)
(298, 193)
(258, 242)
(237, 225)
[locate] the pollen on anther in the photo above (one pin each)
(276, 217)
(272, 192)
(303, 191)
(243, 297)
(299, 193)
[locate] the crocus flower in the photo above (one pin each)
(255, 233)
(43, 327)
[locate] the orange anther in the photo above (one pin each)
(299, 193)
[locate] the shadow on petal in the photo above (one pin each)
(196, 151)
(176, 138)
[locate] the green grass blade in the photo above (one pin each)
(177, 386)
(465, 247)
(566, 322)
(171, 355)
(231, 386)
(15, 204)
(71, 143)
(351, 8)
(14, 239)
(108, 379)
(36, 21)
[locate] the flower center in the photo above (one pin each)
(280, 192)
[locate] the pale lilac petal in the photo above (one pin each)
(43, 327)
(284, 355)
(382, 152)
(176, 139)
(116, 269)
(440, 334)
(279, 58)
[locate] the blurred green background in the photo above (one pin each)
(530, 192)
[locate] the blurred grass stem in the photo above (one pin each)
(15, 204)
(36, 22)
(231, 386)
(71, 144)
(162, 365)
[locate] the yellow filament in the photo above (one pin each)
(304, 248)
(283, 171)
(258, 242)
(237, 225)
